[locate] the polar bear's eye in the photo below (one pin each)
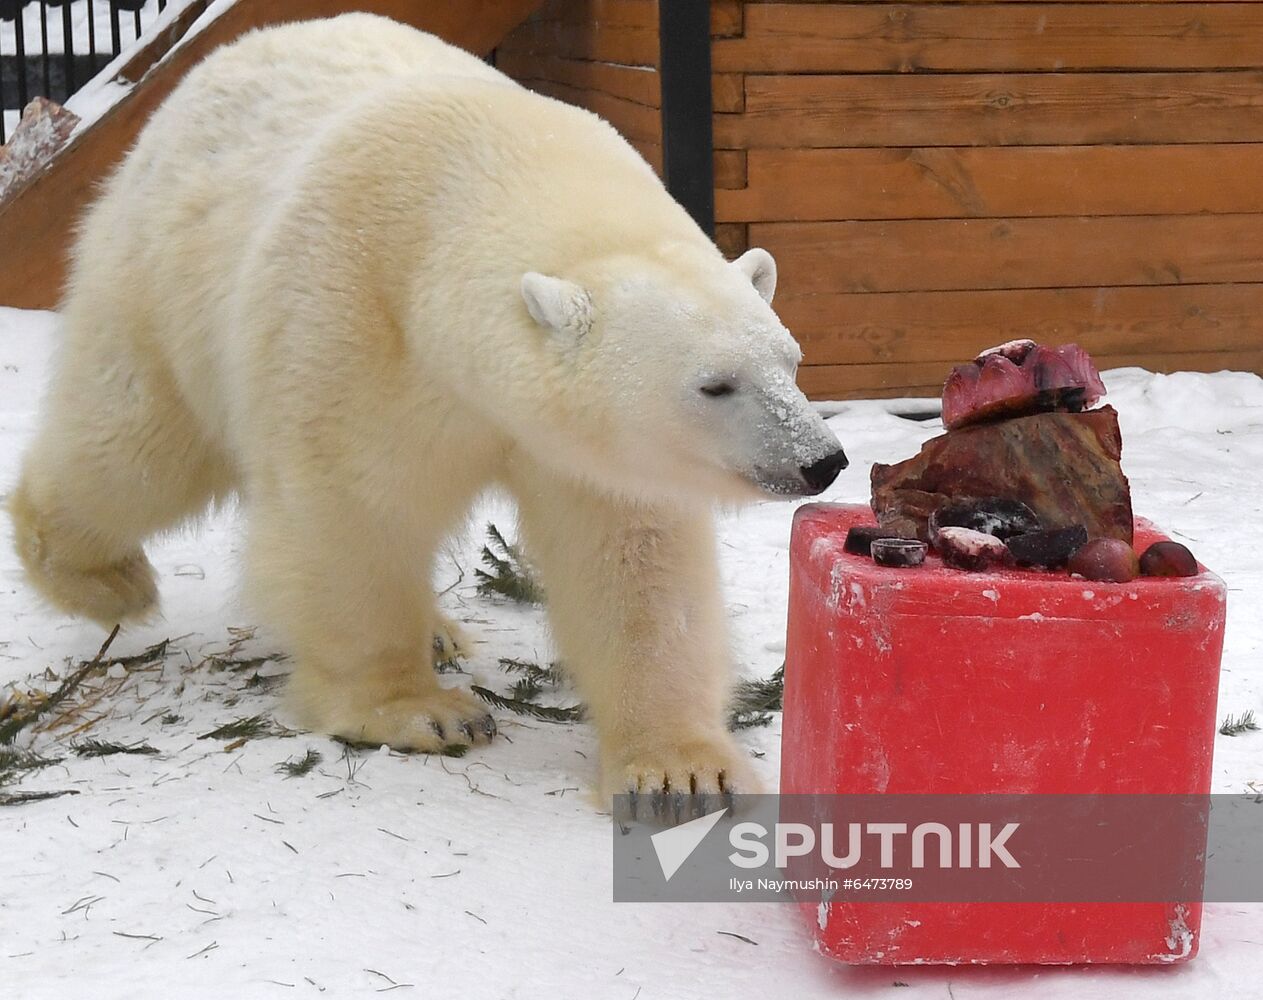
(717, 389)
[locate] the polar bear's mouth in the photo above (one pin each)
(785, 487)
(808, 481)
(781, 485)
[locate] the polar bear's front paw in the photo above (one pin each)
(680, 781)
(434, 722)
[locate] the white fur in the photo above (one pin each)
(358, 276)
(759, 266)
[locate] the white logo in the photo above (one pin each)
(674, 846)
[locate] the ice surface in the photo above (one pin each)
(490, 875)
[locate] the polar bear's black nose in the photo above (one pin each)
(820, 475)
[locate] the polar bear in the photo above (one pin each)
(357, 277)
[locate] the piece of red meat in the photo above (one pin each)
(1020, 378)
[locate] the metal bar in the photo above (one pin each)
(43, 37)
(19, 38)
(116, 43)
(3, 103)
(68, 49)
(688, 144)
(92, 36)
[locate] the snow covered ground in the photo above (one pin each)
(204, 872)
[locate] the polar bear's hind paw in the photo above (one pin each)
(435, 722)
(451, 642)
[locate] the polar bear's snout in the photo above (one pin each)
(795, 452)
(819, 476)
(808, 479)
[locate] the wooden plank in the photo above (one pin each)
(946, 327)
(772, 3)
(628, 46)
(995, 109)
(1016, 181)
(630, 83)
(730, 169)
(37, 221)
(1013, 253)
(635, 121)
(822, 385)
(732, 238)
(903, 37)
(926, 379)
(606, 13)
(651, 151)
(727, 93)
(143, 59)
(727, 18)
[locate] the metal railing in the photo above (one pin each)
(51, 48)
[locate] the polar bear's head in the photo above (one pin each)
(685, 376)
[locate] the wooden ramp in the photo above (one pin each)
(37, 218)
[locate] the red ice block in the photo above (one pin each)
(938, 681)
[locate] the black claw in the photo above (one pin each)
(438, 730)
(468, 730)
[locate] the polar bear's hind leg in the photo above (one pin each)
(117, 459)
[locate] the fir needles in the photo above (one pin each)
(1235, 726)
(508, 575)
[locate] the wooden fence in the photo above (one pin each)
(937, 177)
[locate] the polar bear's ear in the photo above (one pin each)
(557, 304)
(759, 266)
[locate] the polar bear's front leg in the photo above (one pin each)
(634, 600)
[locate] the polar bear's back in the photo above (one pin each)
(306, 178)
(231, 133)
(161, 249)
(270, 90)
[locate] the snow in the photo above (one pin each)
(105, 89)
(202, 872)
(101, 28)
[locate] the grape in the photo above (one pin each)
(1106, 559)
(1168, 559)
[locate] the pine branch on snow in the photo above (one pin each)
(304, 765)
(523, 706)
(753, 701)
(508, 574)
(1243, 723)
(103, 748)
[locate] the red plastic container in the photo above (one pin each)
(934, 680)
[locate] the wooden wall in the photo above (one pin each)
(937, 177)
(934, 178)
(599, 54)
